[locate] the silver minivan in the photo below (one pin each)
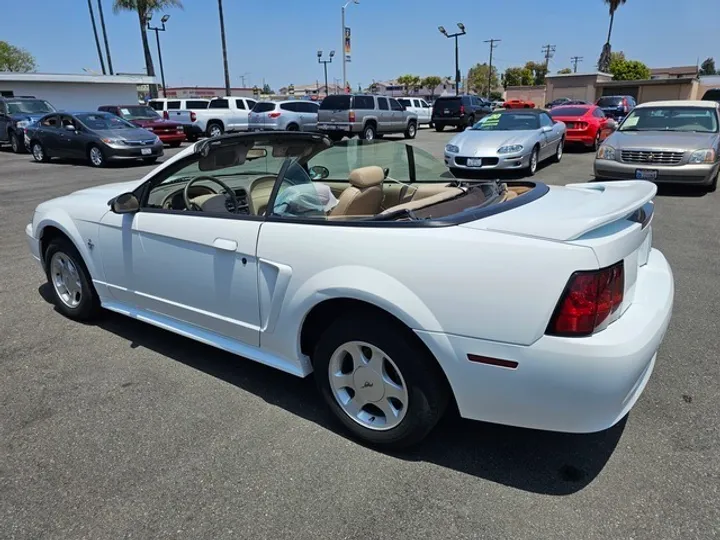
(292, 115)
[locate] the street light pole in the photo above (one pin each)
(344, 59)
(325, 63)
(462, 32)
(157, 39)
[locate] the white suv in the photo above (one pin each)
(420, 107)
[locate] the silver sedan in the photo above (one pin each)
(510, 139)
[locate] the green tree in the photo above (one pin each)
(495, 95)
(266, 89)
(482, 80)
(628, 70)
(145, 10)
(409, 82)
(527, 76)
(513, 77)
(708, 67)
(565, 71)
(15, 59)
(431, 82)
(539, 71)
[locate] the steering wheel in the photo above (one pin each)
(230, 193)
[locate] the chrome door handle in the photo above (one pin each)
(225, 244)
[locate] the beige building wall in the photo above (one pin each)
(536, 94)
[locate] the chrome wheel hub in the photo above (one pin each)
(37, 152)
(368, 385)
(369, 135)
(66, 279)
(533, 161)
(96, 156)
(560, 150)
(215, 131)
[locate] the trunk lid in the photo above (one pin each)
(335, 108)
(181, 116)
(613, 219)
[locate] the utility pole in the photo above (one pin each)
(575, 60)
(224, 48)
(104, 31)
(97, 41)
(549, 51)
(492, 43)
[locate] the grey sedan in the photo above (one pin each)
(664, 141)
(98, 137)
(509, 139)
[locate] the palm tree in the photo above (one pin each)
(604, 62)
(144, 9)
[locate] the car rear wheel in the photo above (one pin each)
(368, 132)
(96, 156)
(293, 127)
(411, 130)
(38, 152)
(214, 130)
(72, 290)
(439, 127)
(382, 385)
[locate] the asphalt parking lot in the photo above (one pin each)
(120, 430)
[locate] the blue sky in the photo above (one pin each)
(277, 39)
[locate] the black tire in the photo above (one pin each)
(16, 143)
(213, 127)
(411, 130)
(149, 160)
(293, 127)
(427, 391)
(470, 122)
(532, 169)
(89, 305)
(335, 137)
(96, 156)
(175, 144)
(368, 132)
(559, 151)
(431, 125)
(38, 152)
(439, 127)
(457, 173)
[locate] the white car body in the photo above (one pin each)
(486, 288)
(229, 113)
(418, 106)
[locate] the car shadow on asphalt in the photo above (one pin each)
(530, 460)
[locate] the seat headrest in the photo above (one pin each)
(366, 177)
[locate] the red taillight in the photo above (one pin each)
(166, 116)
(351, 116)
(462, 109)
(193, 116)
(273, 114)
(582, 125)
(588, 300)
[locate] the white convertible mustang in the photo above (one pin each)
(366, 263)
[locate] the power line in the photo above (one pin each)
(549, 51)
(575, 60)
(492, 43)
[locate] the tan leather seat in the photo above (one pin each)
(416, 204)
(364, 196)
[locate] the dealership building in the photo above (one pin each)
(76, 92)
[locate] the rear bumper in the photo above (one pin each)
(338, 127)
(680, 174)
(449, 120)
(582, 137)
(262, 126)
(572, 385)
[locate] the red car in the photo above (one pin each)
(518, 104)
(586, 124)
(170, 133)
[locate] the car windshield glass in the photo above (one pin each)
(139, 113)
(568, 111)
(609, 102)
(671, 119)
(338, 103)
(103, 121)
(29, 106)
(508, 122)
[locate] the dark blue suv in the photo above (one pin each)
(17, 113)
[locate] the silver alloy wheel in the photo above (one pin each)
(215, 131)
(533, 161)
(559, 153)
(411, 130)
(369, 133)
(65, 279)
(368, 385)
(14, 143)
(37, 152)
(96, 156)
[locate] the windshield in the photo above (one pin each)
(139, 113)
(569, 111)
(29, 106)
(103, 121)
(612, 101)
(345, 156)
(508, 121)
(691, 119)
(339, 103)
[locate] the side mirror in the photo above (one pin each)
(127, 203)
(70, 127)
(547, 129)
(318, 172)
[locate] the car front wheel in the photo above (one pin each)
(73, 293)
(96, 156)
(379, 382)
(533, 164)
(16, 143)
(559, 151)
